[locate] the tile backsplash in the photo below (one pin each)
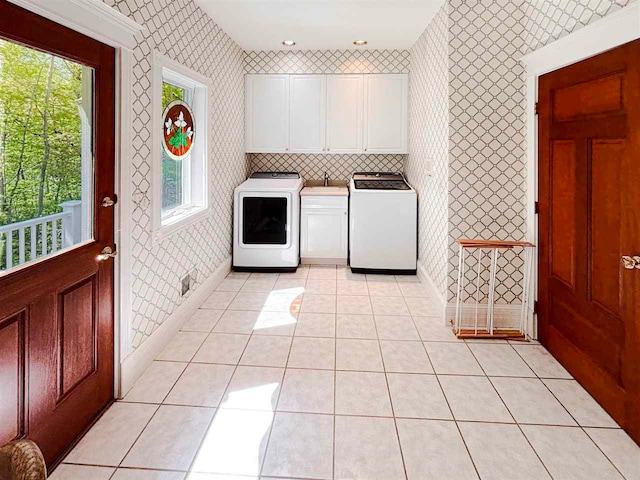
(312, 167)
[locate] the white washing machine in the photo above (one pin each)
(383, 224)
(266, 227)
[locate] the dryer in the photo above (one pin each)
(266, 227)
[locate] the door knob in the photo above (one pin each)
(107, 202)
(631, 263)
(106, 254)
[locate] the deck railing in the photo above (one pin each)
(29, 240)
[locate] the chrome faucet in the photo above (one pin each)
(326, 179)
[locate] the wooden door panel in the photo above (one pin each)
(597, 381)
(589, 142)
(563, 216)
(603, 127)
(12, 377)
(77, 331)
(70, 362)
(586, 99)
(604, 224)
(605, 348)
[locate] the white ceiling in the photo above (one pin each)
(322, 24)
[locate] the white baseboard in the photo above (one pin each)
(505, 316)
(138, 361)
(426, 279)
(323, 261)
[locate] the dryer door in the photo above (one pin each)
(265, 220)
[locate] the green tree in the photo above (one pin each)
(40, 133)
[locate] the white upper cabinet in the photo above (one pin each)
(385, 113)
(344, 113)
(326, 113)
(307, 113)
(267, 113)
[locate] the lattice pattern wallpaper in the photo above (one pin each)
(487, 134)
(429, 143)
(182, 31)
(339, 167)
(549, 20)
(487, 126)
(328, 61)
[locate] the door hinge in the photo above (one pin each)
(535, 307)
(536, 208)
(537, 108)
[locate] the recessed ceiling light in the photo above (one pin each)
(360, 43)
(288, 43)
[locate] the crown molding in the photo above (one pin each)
(92, 18)
(616, 29)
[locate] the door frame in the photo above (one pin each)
(618, 28)
(101, 22)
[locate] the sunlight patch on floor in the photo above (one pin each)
(236, 440)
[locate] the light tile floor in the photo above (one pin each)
(324, 374)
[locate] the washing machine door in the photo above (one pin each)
(265, 219)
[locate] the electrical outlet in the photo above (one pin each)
(186, 284)
(429, 166)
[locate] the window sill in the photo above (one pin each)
(178, 222)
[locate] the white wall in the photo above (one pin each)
(427, 167)
(182, 31)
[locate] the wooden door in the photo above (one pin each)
(307, 113)
(386, 115)
(589, 164)
(344, 113)
(56, 297)
(267, 113)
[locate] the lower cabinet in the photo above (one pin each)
(324, 230)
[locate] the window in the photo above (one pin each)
(173, 170)
(180, 141)
(46, 154)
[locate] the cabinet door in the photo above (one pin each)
(324, 233)
(267, 113)
(385, 113)
(344, 113)
(307, 113)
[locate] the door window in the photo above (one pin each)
(46, 154)
(264, 220)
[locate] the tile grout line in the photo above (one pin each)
(335, 381)
(509, 410)
(217, 408)
(453, 417)
(567, 410)
(159, 405)
(277, 400)
(386, 379)
(335, 371)
(164, 398)
(487, 422)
